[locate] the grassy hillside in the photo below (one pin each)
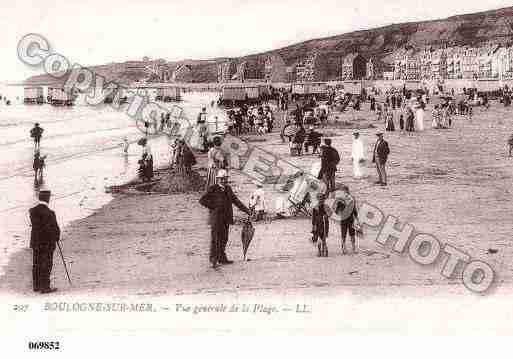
(493, 26)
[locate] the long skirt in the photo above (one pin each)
(390, 125)
(211, 176)
(148, 169)
(410, 127)
(358, 169)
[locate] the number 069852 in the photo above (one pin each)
(44, 345)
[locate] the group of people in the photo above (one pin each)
(246, 120)
(442, 117)
(411, 114)
(349, 223)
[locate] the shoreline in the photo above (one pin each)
(158, 244)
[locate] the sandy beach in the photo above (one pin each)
(454, 184)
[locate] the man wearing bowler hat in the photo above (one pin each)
(380, 156)
(44, 236)
(219, 200)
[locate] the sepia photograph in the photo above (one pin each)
(255, 168)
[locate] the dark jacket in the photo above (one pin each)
(219, 203)
(382, 150)
(313, 137)
(299, 137)
(45, 230)
(329, 159)
(36, 132)
(320, 221)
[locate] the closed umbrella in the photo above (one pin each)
(247, 236)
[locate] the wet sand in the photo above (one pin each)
(454, 184)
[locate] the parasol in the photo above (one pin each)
(290, 130)
(247, 236)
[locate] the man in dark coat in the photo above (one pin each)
(36, 133)
(44, 236)
(219, 200)
(380, 156)
(320, 225)
(329, 160)
(299, 139)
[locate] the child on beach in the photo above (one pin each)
(320, 226)
(38, 165)
(257, 204)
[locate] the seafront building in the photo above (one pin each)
(377, 69)
(306, 69)
(458, 62)
(488, 62)
(225, 71)
(275, 69)
(506, 63)
(354, 67)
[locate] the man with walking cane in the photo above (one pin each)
(219, 199)
(44, 237)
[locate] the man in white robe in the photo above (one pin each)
(419, 118)
(358, 156)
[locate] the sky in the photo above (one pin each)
(96, 32)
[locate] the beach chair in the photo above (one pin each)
(299, 199)
(300, 208)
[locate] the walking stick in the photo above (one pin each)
(64, 263)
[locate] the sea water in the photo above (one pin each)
(84, 149)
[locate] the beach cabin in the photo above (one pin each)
(310, 89)
(171, 94)
(123, 95)
(318, 88)
(237, 94)
(33, 95)
(253, 92)
(490, 88)
(353, 87)
(58, 97)
(118, 96)
(168, 94)
(299, 89)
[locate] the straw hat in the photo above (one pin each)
(222, 173)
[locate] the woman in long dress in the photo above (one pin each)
(358, 156)
(410, 127)
(216, 161)
(435, 123)
(419, 118)
(389, 120)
